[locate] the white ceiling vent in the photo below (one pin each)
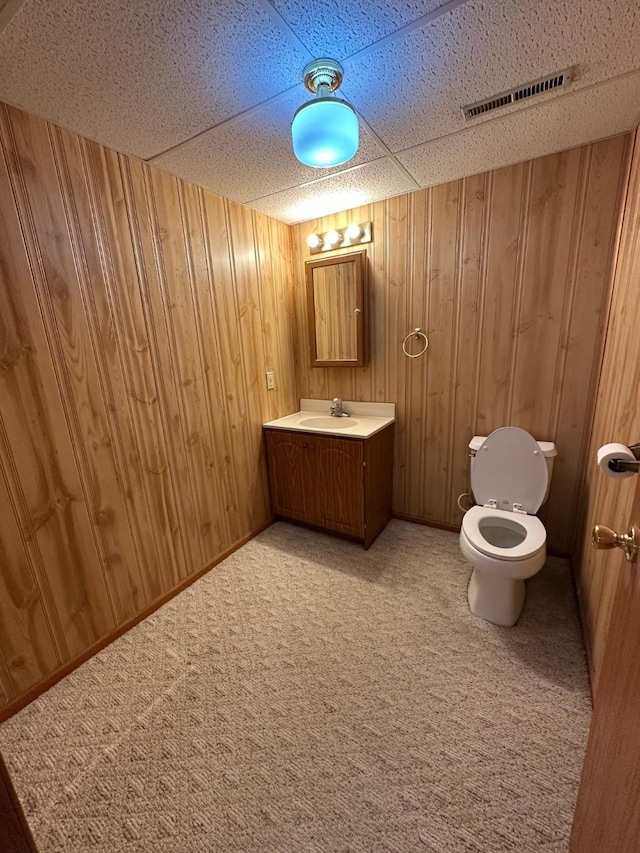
(520, 93)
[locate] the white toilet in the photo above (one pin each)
(501, 537)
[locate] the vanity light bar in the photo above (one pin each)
(338, 238)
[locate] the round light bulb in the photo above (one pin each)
(314, 241)
(332, 238)
(354, 232)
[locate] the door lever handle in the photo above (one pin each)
(603, 538)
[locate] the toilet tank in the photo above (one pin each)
(548, 448)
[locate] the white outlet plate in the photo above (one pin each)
(271, 382)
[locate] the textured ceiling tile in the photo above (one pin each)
(368, 183)
(143, 75)
(553, 126)
(252, 156)
(336, 29)
(411, 89)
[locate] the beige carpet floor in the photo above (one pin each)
(309, 696)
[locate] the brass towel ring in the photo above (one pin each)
(417, 333)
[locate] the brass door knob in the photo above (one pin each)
(604, 538)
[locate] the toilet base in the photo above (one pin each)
(496, 599)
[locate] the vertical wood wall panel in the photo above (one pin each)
(273, 242)
(160, 243)
(545, 249)
(132, 369)
(178, 353)
(37, 450)
(79, 383)
(228, 343)
(617, 418)
(443, 273)
(247, 286)
(106, 463)
(223, 527)
(26, 648)
(508, 196)
(138, 315)
(508, 273)
(467, 335)
(397, 314)
(24, 363)
(421, 211)
(591, 266)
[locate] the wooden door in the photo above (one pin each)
(607, 817)
(340, 484)
(15, 836)
(290, 474)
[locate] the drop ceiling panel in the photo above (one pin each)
(336, 29)
(589, 114)
(144, 75)
(208, 87)
(364, 184)
(245, 159)
(411, 89)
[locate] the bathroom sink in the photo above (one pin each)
(364, 420)
(329, 423)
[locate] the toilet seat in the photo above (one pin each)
(534, 540)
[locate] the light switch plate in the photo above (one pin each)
(271, 382)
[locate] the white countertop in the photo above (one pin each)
(364, 420)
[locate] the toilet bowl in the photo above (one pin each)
(501, 536)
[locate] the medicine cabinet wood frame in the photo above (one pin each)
(357, 262)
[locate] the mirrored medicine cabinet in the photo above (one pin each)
(337, 296)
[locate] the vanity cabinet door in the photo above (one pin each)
(291, 475)
(340, 484)
(317, 479)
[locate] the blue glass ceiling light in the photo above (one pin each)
(324, 131)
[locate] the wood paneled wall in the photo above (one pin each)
(616, 418)
(138, 315)
(508, 272)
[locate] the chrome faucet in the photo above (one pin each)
(336, 409)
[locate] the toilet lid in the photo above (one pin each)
(511, 469)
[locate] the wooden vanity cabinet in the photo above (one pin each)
(333, 483)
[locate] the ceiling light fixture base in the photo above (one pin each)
(325, 74)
